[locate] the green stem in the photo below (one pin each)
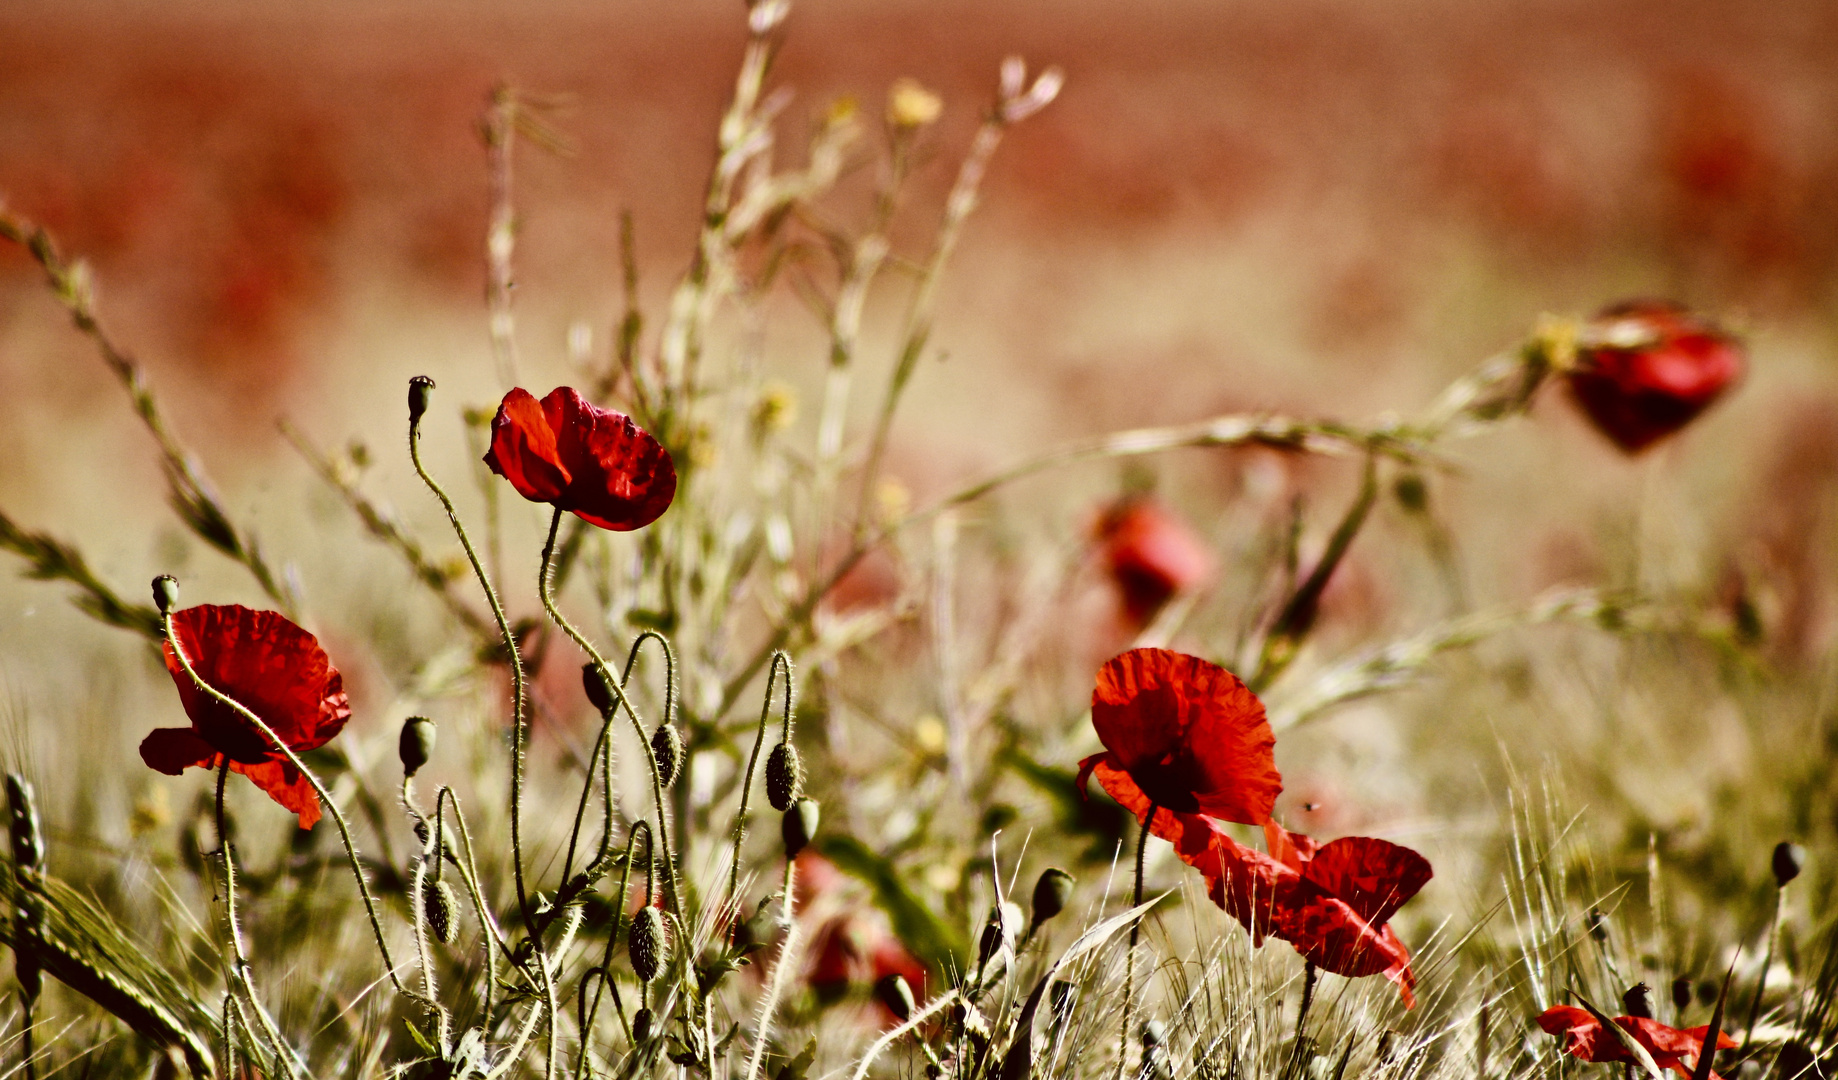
(612, 942)
(618, 692)
(1309, 974)
(1129, 961)
(780, 662)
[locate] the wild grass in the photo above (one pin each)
(914, 655)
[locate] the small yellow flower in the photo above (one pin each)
(910, 105)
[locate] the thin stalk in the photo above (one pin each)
(1309, 974)
(1761, 979)
(780, 662)
(603, 752)
(787, 956)
(239, 958)
(1129, 958)
(612, 939)
(618, 690)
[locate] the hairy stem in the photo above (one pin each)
(1129, 958)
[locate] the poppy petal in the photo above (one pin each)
(622, 477)
(285, 785)
(1374, 877)
(172, 750)
(267, 664)
(523, 448)
(1189, 732)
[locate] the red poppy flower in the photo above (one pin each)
(1151, 555)
(1332, 901)
(1646, 368)
(1585, 1038)
(594, 462)
(1184, 736)
(271, 667)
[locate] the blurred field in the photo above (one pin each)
(1320, 207)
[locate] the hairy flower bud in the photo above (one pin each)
(418, 390)
(22, 823)
(1639, 1001)
(641, 1026)
(597, 691)
(798, 826)
(648, 942)
(166, 593)
(667, 746)
(896, 993)
(784, 776)
(441, 908)
(1051, 893)
(416, 745)
(1788, 859)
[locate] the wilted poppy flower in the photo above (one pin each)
(1584, 1037)
(1184, 736)
(1150, 554)
(271, 667)
(1332, 901)
(1646, 368)
(594, 462)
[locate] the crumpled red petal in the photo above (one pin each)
(1190, 734)
(172, 750)
(524, 448)
(623, 478)
(1584, 1037)
(285, 785)
(272, 667)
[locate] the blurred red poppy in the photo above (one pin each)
(1584, 1037)
(594, 462)
(855, 950)
(1332, 901)
(271, 667)
(1151, 555)
(1184, 736)
(1646, 368)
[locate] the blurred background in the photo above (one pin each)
(1319, 207)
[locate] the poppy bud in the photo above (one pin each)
(441, 908)
(648, 943)
(641, 1026)
(1681, 992)
(798, 826)
(1639, 1001)
(896, 993)
(1788, 859)
(1597, 924)
(667, 745)
(166, 593)
(22, 823)
(1412, 493)
(597, 691)
(999, 932)
(1154, 1033)
(418, 389)
(784, 776)
(1051, 893)
(416, 745)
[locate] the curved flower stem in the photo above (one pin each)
(469, 872)
(787, 957)
(240, 958)
(780, 662)
(603, 753)
(325, 796)
(618, 692)
(612, 941)
(510, 647)
(1129, 958)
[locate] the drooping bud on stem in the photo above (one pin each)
(416, 745)
(784, 776)
(1051, 893)
(896, 993)
(442, 909)
(166, 593)
(1788, 859)
(799, 825)
(418, 389)
(648, 942)
(1000, 930)
(1639, 1001)
(667, 746)
(597, 691)
(22, 823)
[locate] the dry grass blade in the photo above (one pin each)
(53, 560)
